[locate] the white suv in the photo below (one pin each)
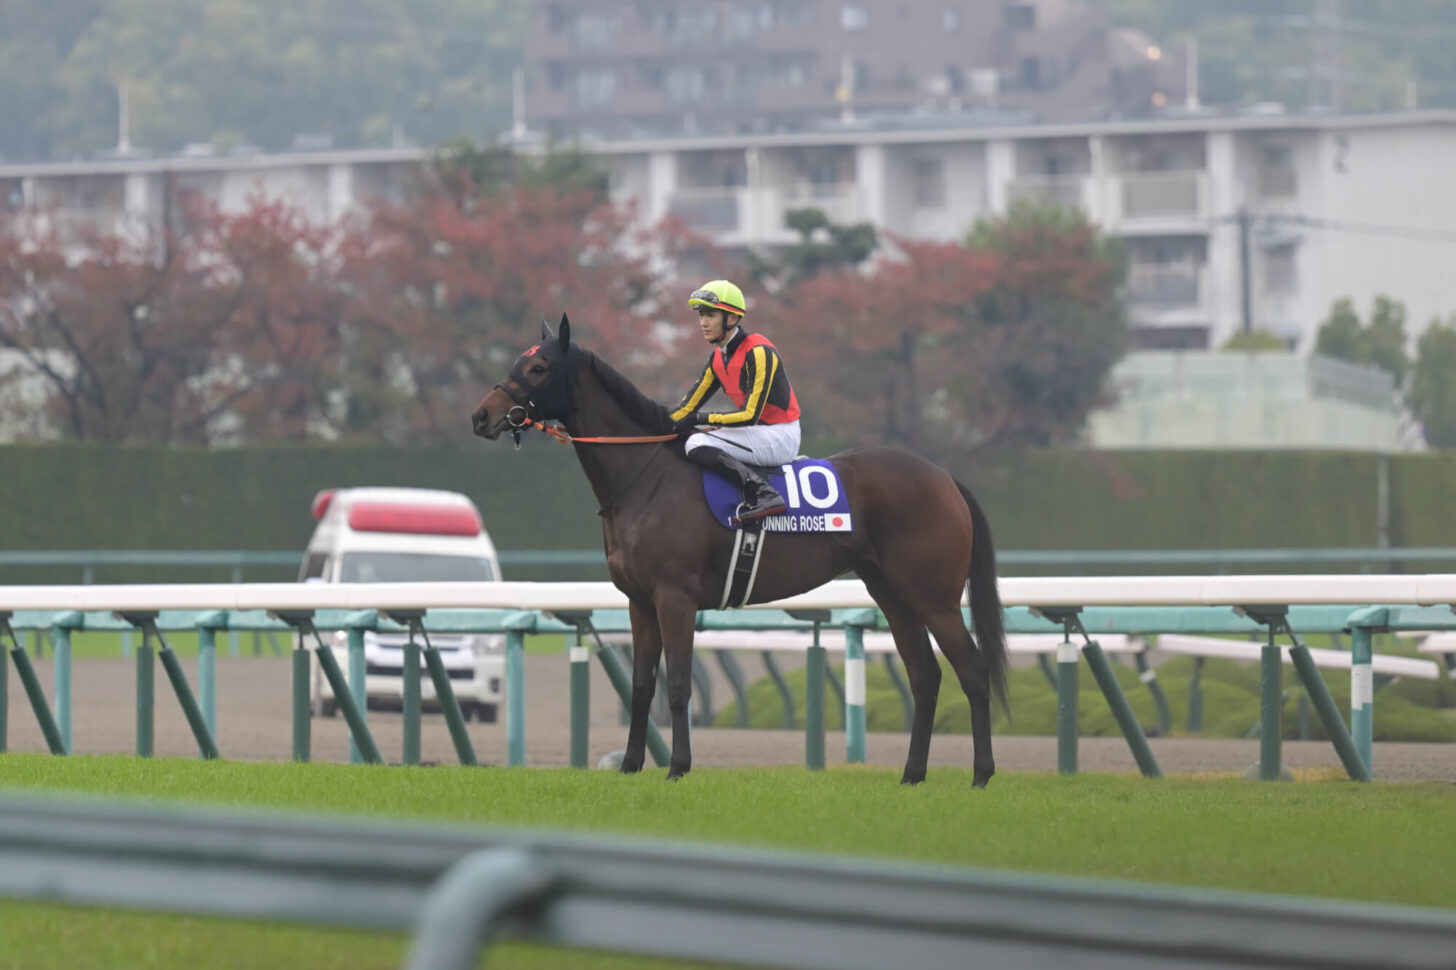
(401, 535)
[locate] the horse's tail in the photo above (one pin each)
(986, 613)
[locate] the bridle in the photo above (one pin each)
(518, 418)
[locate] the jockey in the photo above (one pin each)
(764, 428)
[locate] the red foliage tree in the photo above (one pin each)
(202, 333)
(452, 286)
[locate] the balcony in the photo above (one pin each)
(1166, 295)
(1065, 191)
(1159, 201)
(748, 216)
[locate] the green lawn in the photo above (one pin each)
(1319, 837)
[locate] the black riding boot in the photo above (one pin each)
(759, 497)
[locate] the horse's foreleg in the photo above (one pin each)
(646, 650)
(677, 615)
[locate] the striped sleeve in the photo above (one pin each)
(701, 391)
(762, 365)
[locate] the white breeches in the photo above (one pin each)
(753, 444)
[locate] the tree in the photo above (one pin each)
(1432, 395)
(212, 334)
(949, 348)
(1381, 344)
(822, 246)
(1050, 329)
(451, 286)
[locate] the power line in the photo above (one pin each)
(1370, 228)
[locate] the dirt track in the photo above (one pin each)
(254, 723)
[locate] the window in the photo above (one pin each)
(1019, 16)
(1277, 175)
(1031, 73)
(853, 17)
(595, 87)
(686, 84)
(1281, 270)
(927, 181)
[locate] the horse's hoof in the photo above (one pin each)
(630, 767)
(673, 774)
(909, 779)
(982, 776)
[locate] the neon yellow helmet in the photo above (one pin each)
(719, 295)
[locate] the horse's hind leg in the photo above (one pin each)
(967, 661)
(923, 670)
(646, 650)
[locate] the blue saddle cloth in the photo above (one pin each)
(812, 491)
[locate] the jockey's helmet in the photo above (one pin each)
(719, 295)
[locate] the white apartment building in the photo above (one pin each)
(1333, 206)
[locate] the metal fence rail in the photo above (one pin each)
(455, 888)
(236, 561)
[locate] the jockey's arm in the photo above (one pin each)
(759, 368)
(702, 390)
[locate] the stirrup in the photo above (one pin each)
(749, 514)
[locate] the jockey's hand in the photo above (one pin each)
(687, 424)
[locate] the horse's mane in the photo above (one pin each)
(639, 408)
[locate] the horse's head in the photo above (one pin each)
(539, 386)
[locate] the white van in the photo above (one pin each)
(407, 535)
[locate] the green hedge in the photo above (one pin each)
(77, 496)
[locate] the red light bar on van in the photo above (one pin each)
(435, 520)
(321, 502)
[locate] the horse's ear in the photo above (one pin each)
(565, 330)
(546, 333)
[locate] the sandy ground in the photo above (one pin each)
(254, 723)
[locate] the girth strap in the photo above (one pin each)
(743, 564)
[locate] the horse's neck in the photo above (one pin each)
(610, 469)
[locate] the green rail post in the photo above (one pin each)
(38, 703)
(358, 689)
(617, 674)
(360, 739)
(145, 702)
(1363, 625)
(1324, 704)
(410, 703)
(1067, 706)
(814, 705)
(515, 698)
(1195, 697)
(854, 684)
(445, 697)
(207, 626)
(206, 745)
(33, 690)
(61, 626)
(1271, 691)
(4, 683)
(302, 703)
(1107, 679)
(579, 657)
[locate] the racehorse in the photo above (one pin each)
(919, 539)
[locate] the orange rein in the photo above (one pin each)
(555, 431)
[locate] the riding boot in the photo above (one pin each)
(759, 497)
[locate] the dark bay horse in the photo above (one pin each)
(918, 540)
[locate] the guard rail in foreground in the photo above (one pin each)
(456, 888)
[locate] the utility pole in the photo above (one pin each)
(1246, 302)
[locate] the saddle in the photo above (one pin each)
(816, 502)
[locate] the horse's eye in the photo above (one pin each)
(537, 368)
